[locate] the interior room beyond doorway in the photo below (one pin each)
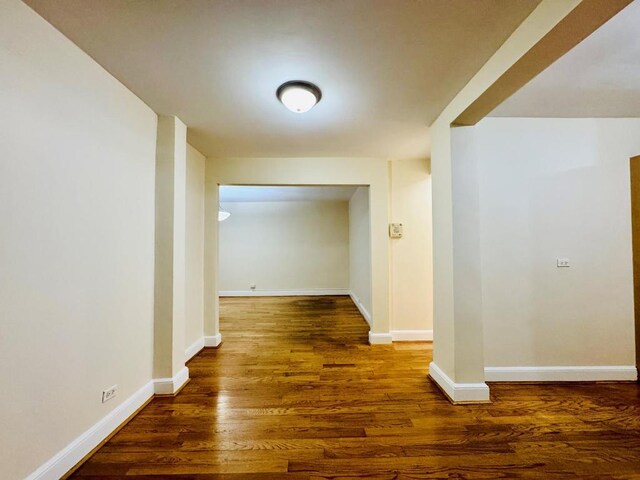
(295, 241)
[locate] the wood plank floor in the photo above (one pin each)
(296, 393)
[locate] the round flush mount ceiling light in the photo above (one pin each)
(222, 214)
(298, 96)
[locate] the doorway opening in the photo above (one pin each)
(307, 243)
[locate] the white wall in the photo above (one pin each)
(554, 188)
(290, 245)
(77, 170)
(411, 261)
(194, 278)
(360, 251)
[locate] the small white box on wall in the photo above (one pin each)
(395, 230)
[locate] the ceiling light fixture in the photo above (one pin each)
(298, 96)
(222, 214)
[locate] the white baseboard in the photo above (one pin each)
(380, 338)
(363, 311)
(213, 340)
(67, 458)
(194, 348)
(459, 392)
(412, 335)
(283, 293)
(169, 386)
(561, 374)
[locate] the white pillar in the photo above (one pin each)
(458, 357)
(170, 372)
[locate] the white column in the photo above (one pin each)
(458, 361)
(170, 372)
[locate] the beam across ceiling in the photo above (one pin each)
(577, 25)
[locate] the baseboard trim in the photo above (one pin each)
(359, 306)
(412, 335)
(213, 340)
(69, 457)
(459, 393)
(619, 373)
(193, 349)
(283, 293)
(171, 386)
(380, 338)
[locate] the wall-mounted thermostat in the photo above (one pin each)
(395, 230)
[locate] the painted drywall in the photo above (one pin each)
(556, 188)
(284, 246)
(77, 208)
(360, 251)
(194, 277)
(303, 171)
(411, 260)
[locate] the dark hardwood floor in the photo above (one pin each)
(296, 393)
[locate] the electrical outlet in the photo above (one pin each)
(562, 262)
(109, 393)
(252, 286)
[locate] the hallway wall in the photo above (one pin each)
(77, 169)
(411, 259)
(556, 188)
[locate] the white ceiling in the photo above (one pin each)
(386, 67)
(598, 78)
(234, 193)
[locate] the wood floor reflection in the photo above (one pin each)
(296, 393)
